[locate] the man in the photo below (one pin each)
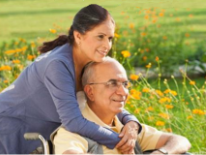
(105, 85)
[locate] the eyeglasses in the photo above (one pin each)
(113, 84)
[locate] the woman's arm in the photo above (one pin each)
(61, 84)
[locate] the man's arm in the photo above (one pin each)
(173, 144)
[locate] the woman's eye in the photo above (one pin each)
(110, 39)
(101, 37)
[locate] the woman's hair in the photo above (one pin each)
(86, 19)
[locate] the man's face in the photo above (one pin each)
(108, 98)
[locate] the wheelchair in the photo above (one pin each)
(47, 146)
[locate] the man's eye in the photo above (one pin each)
(113, 83)
(126, 84)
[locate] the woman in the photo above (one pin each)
(44, 95)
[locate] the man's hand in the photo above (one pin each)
(129, 137)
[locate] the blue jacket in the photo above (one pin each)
(42, 98)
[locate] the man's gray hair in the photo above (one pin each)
(88, 71)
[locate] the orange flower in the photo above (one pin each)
(159, 92)
(161, 14)
(126, 54)
(198, 112)
(164, 37)
(16, 61)
(169, 130)
(31, 57)
(134, 77)
(192, 82)
(143, 34)
(169, 106)
(165, 99)
(187, 34)
(146, 90)
(156, 58)
(149, 109)
(160, 123)
(5, 68)
(144, 58)
(191, 15)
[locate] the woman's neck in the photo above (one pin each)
(79, 62)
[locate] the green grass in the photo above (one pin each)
(31, 19)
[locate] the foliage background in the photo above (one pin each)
(157, 38)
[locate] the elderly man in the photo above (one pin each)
(106, 88)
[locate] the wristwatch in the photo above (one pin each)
(162, 150)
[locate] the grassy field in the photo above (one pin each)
(31, 19)
(172, 105)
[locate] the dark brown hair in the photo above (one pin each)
(87, 18)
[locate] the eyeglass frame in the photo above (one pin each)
(108, 83)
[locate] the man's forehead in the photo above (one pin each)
(110, 70)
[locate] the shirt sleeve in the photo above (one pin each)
(126, 117)
(148, 137)
(61, 84)
(64, 141)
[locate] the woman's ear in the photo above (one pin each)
(89, 92)
(77, 37)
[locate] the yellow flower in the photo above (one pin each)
(146, 90)
(192, 82)
(136, 95)
(160, 123)
(131, 25)
(52, 31)
(9, 52)
(169, 106)
(134, 77)
(150, 118)
(189, 117)
(136, 111)
(149, 65)
(126, 54)
(163, 115)
(33, 44)
(16, 61)
(149, 109)
(116, 35)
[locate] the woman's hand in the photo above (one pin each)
(129, 137)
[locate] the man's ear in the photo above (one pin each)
(77, 37)
(89, 92)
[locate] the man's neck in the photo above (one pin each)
(105, 117)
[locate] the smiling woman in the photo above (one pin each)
(44, 95)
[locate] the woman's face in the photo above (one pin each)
(96, 43)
